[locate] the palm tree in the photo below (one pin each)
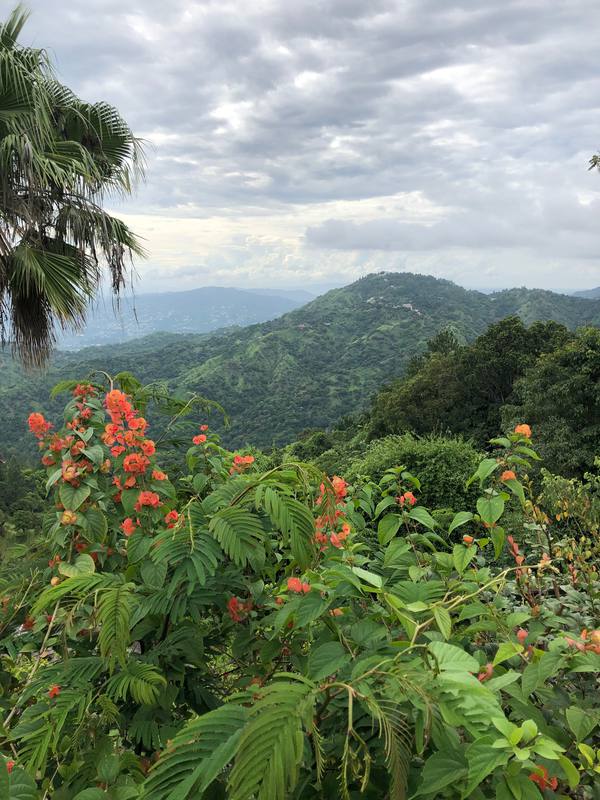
(59, 157)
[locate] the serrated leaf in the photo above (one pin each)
(443, 621)
(450, 658)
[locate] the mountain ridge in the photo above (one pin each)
(311, 366)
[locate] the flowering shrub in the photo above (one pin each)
(279, 634)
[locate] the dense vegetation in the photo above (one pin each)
(308, 368)
(242, 633)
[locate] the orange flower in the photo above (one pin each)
(340, 487)
(200, 439)
(68, 518)
(508, 475)
(468, 539)
(147, 499)
(294, 585)
(117, 450)
(157, 475)
(523, 430)
(54, 691)
(486, 674)
(130, 482)
(10, 766)
(234, 608)
(171, 518)
(138, 424)
(136, 463)
(128, 526)
(522, 634)
(38, 425)
(48, 461)
(336, 612)
(203, 428)
(148, 447)
(69, 471)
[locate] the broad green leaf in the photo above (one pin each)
(498, 538)
(450, 658)
(327, 659)
(490, 509)
(153, 574)
(91, 794)
(516, 488)
(420, 514)
(484, 470)
(368, 577)
(84, 565)
(72, 497)
(387, 528)
(505, 651)
(482, 759)
(443, 621)
(441, 770)
(570, 771)
(383, 504)
(462, 556)
(581, 722)
(460, 519)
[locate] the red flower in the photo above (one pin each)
(38, 425)
(135, 463)
(234, 608)
(543, 780)
(28, 624)
(200, 439)
(148, 447)
(147, 499)
(171, 518)
(54, 691)
(340, 487)
(157, 475)
(117, 450)
(486, 674)
(138, 424)
(203, 428)
(128, 526)
(294, 585)
(10, 766)
(48, 461)
(522, 634)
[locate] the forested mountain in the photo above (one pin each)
(307, 368)
(589, 294)
(194, 311)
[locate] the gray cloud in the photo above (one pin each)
(318, 110)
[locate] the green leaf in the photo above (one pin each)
(420, 514)
(383, 504)
(482, 759)
(387, 528)
(97, 523)
(581, 722)
(505, 651)
(516, 488)
(462, 556)
(441, 770)
(368, 577)
(450, 658)
(498, 538)
(484, 470)
(240, 534)
(570, 770)
(129, 499)
(84, 565)
(72, 497)
(443, 621)
(460, 519)
(91, 794)
(327, 659)
(22, 786)
(108, 768)
(490, 509)
(197, 755)
(53, 478)
(153, 574)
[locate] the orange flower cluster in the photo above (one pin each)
(298, 586)
(523, 430)
(407, 497)
(508, 475)
(199, 439)
(146, 498)
(171, 518)
(128, 526)
(590, 641)
(54, 691)
(240, 463)
(327, 522)
(38, 425)
(237, 609)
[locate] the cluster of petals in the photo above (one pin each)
(199, 439)
(508, 475)
(407, 497)
(240, 463)
(523, 430)
(171, 518)
(158, 475)
(136, 463)
(298, 586)
(38, 425)
(514, 550)
(590, 641)
(236, 609)
(487, 673)
(128, 526)
(146, 498)
(543, 779)
(54, 691)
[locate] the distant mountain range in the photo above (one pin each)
(305, 369)
(195, 311)
(589, 294)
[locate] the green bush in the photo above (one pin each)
(442, 464)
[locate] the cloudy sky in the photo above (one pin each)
(308, 142)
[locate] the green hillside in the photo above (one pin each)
(305, 369)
